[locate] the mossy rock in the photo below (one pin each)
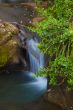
(8, 42)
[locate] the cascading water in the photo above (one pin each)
(36, 57)
(22, 86)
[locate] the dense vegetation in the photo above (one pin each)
(56, 33)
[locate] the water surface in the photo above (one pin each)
(20, 87)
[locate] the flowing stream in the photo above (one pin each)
(22, 86)
(36, 57)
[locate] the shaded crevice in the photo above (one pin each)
(24, 56)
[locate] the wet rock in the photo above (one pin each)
(8, 42)
(29, 5)
(61, 97)
(36, 20)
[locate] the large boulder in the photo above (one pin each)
(8, 42)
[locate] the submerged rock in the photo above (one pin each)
(8, 42)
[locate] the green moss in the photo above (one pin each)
(7, 42)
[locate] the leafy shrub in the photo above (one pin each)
(56, 33)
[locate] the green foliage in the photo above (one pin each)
(56, 33)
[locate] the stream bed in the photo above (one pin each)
(23, 86)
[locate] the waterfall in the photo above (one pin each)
(20, 85)
(36, 57)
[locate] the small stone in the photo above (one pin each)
(21, 21)
(71, 107)
(30, 21)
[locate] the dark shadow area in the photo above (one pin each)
(15, 1)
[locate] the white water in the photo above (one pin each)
(22, 86)
(36, 57)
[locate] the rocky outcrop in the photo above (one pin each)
(60, 96)
(8, 42)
